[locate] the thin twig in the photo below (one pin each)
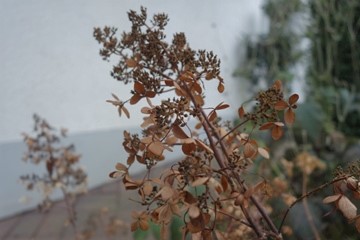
(307, 210)
(307, 195)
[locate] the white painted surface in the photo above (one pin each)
(49, 61)
(49, 64)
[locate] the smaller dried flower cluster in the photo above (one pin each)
(60, 161)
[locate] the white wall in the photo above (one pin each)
(49, 64)
(49, 61)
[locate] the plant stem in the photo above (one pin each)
(307, 195)
(307, 210)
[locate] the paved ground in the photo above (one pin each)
(101, 214)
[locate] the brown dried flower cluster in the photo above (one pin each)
(44, 147)
(207, 187)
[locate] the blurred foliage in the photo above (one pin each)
(154, 230)
(272, 54)
(334, 69)
(323, 37)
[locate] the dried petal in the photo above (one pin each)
(139, 88)
(332, 198)
(293, 99)
(188, 148)
(347, 207)
(199, 181)
(212, 116)
(276, 132)
(277, 85)
(147, 188)
(131, 63)
(135, 98)
(266, 126)
(264, 153)
(178, 132)
(250, 150)
(281, 105)
(222, 105)
(156, 148)
(241, 112)
(124, 109)
(194, 211)
(121, 167)
(221, 87)
(289, 116)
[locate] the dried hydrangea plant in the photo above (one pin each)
(44, 148)
(207, 187)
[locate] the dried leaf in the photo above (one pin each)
(279, 124)
(130, 159)
(146, 110)
(199, 100)
(131, 63)
(200, 181)
(289, 116)
(156, 148)
(266, 126)
(221, 87)
(115, 174)
(250, 150)
(352, 183)
(276, 132)
(224, 183)
(144, 225)
(240, 199)
(206, 234)
(135, 98)
(194, 211)
(222, 105)
(188, 197)
(116, 97)
(347, 208)
(197, 87)
(129, 183)
(187, 77)
(147, 188)
(139, 88)
(281, 105)
(332, 198)
(356, 195)
(124, 109)
(166, 192)
(293, 99)
(204, 146)
(278, 85)
(216, 185)
(264, 153)
(121, 167)
(241, 112)
(169, 82)
(209, 76)
(179, 91)
(171, 140)
(178, 132)
(188, 148)
(254, 189)
(150, 94)
(212, 116)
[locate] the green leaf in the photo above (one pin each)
(175, 228)
(140, 234)
(155, 230)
